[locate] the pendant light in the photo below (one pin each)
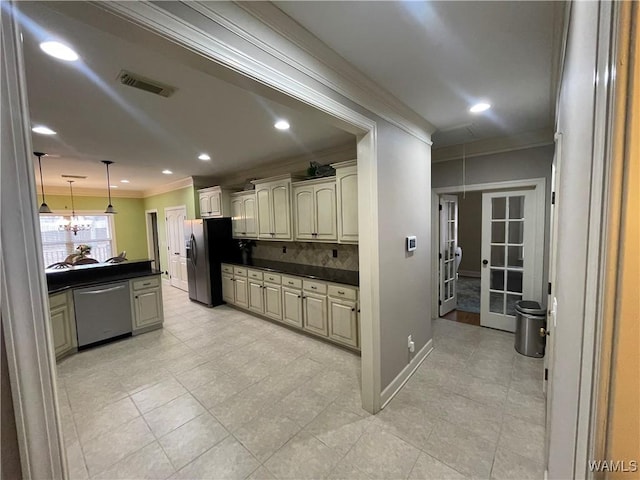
(44, 208)
(74, 225)
(110, 208)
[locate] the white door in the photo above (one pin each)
(176, 252)
(448, 245)
(547, 384)
(508, 245)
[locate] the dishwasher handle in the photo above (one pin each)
(104, 290)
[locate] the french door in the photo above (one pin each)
(448, 246)
(176, 250)
(508, 246)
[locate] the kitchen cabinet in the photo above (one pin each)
(228, 294)
(256, 296)
(273, 301)
(241, 291)
(314, 207)
(146, 301)
(347, 201)
(273, 199)
(343, 321)
(315, 313)
(63, 324)
(243, 215)
(292, 306)
(214, 202)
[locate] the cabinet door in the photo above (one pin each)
(215, 203)
(292, 307)
(256, 296)
(61, 329)
(281, 212)
(263, 199)
(148, 308)
(205, 205)
(343, 324)
(237, 218)
(325, 212)
(303, 213)
(315, 313)
(228, 294)
(241, 292)
(273, 301)
(347, 183)
(249, 208)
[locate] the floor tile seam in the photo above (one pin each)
(165, 404)
(495, 451)
(84, 460)
(130, 455)
(443, 461)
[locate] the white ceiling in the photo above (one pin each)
(97, 118)
(440, 57)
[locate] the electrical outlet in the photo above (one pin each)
(335, 253)
(411, 344)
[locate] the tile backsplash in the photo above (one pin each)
(318, 254)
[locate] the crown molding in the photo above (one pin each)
(168, 187)
(489, 146)
(90, 192)
(338, 73)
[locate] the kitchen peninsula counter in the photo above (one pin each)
(79, 276)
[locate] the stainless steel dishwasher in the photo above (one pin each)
(102, 312)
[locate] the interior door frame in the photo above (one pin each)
(538, 184)
(182, 208)
(150, 244)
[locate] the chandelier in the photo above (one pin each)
(74, 224)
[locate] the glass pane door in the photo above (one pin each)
(448, 245)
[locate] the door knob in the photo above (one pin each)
(485, 262)
(543, 332)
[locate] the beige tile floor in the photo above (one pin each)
(221, 394)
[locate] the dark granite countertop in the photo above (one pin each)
(347, 277)
(78, 276)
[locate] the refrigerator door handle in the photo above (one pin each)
(194, 250)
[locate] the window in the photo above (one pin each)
(57, 243)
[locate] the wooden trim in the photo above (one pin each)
(403, 377)
(25, 316)
(168, 187)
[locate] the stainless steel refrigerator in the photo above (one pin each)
(208, 244)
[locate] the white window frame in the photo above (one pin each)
(86, 213)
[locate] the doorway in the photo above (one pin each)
(153, 241)
(176, 251)
(490, 255)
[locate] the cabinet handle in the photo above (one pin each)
(358, 310)
(136, 296)
(313, 287)
(341, 292)
(353, 309)
(299, 296)
(290, 283)
(146, 284)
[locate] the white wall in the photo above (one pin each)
(405, 278)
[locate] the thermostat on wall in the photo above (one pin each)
(411, 243)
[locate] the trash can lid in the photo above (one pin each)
(530, 307)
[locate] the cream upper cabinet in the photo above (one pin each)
(314, 207)
(273, 199)
(347, 201)
(243, 215)
(214, 202)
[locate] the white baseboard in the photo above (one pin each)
(394, 387)
(468, 273)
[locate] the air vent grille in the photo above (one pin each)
(136, 81)
(74, 176)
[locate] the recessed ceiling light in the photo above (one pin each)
(204, 156)
(124, 181)
(42, 130)
(59, 51)
(167, 172)
(480, 107)
(282, 125)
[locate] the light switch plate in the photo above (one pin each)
(411, 243)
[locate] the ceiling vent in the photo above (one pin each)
(74, 176)
(146, 84)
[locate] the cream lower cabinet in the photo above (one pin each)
(146, 303)
(292, 306)
(63, 324)
(228, 294)
(241, 291)
(343, 321)
(273, 301)
(256, 296)
(315, 313)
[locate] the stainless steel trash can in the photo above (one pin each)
(530, 328)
